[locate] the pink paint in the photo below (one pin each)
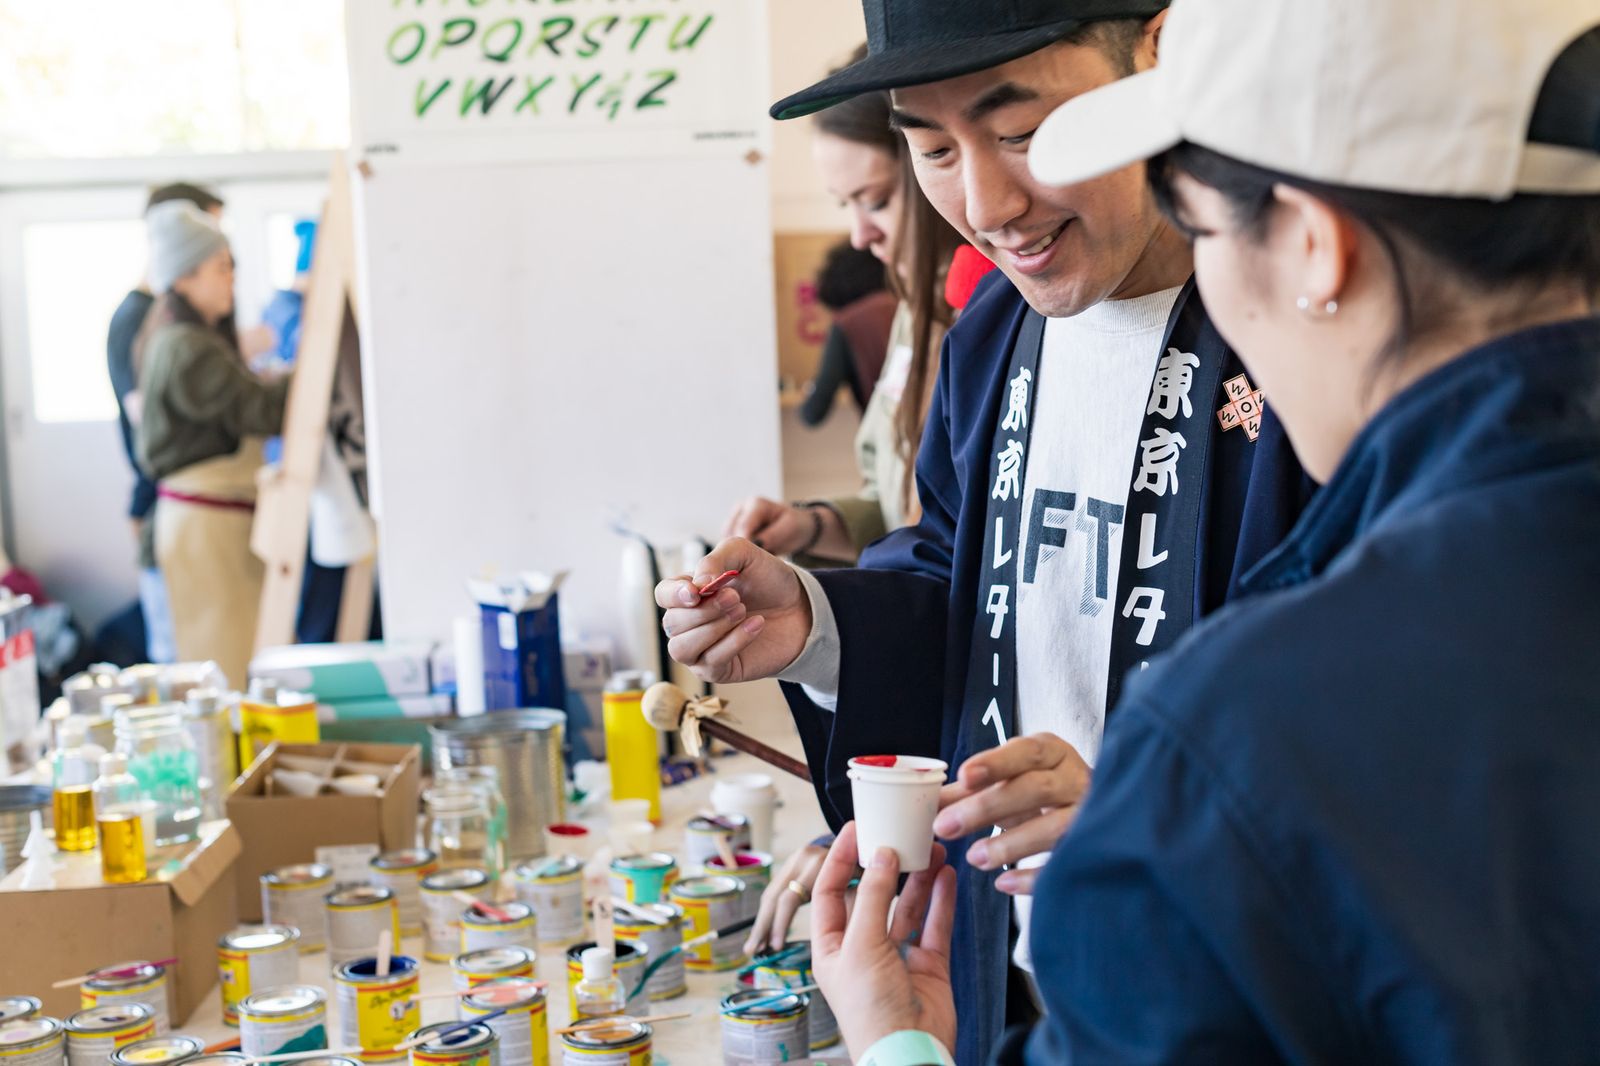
(718, 583)
(742, 859)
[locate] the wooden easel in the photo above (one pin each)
(283, 504)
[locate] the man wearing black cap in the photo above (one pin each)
(1095, 475)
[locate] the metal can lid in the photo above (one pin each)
(404, 859)
(670, 913)
(329, 1060)
(618, 1034)
(455, 880)
(627, 951)
(473, 1037)
(493, 960)
(548, 869)
(504, 993)
(109, 1016)
(795, 957)
(14, 1007)
(28, 1030)
(217, 1058)
(301, 873)
(515, 912)
(654, 860)
(718, 823)
(259, 937)
(138, 972)
(158, 1050)
(778, 1008)
(696, 888)
(630, 681)
(285, 999)
(365, 971)
(358, 896)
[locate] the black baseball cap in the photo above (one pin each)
(914, 42)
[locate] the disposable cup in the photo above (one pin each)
(568, 838)
(896, 799)
(752, 795)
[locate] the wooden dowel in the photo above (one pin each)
(751, 746)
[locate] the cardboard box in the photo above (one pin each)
(278, 829)
(76, 923)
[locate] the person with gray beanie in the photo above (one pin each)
(204, 420)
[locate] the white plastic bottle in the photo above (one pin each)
(599, 993)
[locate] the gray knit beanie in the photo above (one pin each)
(181, 238)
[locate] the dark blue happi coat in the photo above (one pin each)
(906, 615)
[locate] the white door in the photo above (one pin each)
(67, 258)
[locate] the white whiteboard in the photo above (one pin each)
(443, 81)
(551, 347)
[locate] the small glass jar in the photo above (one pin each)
(486, 781)
(458, 827)
(162, 757)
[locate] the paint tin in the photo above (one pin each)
(147, 984)
(401, 872)
(292, 896)
(754, 874)
(357, 916)
(328, 1060)
(476, 1045)
(710, 903)
(554, 889)
(643, 878)
(775, 1032)
(473, 968)
(35, 1041)
(793, 970)
(93, 1034)
(218, 1058)
(255, 957)
(519, 928)
(700, 838)
(622, 1044)
(15, 1008)
(629, 967)
(376, 1013)
(159, 1051)
(441, 911)
(524, 1028)
(668, 980)
(278, 1021)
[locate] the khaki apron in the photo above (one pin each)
(203, 549)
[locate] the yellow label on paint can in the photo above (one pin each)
(376, 1013)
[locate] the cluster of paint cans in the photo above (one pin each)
(660, 938)
(791, 968)
(519, 1018)
(357, 916)
(442, 909)
(94, 1034)
(252, 958)
(401, 872)
(293, 896)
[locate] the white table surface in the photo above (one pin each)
(691, 1041)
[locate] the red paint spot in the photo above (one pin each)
(877, 760)
(569, 830)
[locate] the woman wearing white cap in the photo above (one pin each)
(1353, 817)
(205, 416)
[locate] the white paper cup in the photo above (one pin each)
(895, 807)
(752, 795)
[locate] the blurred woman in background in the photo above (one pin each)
(204, 418)
(863, 162)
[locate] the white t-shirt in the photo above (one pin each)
(1091, 390)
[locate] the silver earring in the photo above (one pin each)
(1304, 306)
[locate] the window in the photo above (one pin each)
(110, 78)
(75, 274)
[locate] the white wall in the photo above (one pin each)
(552, 348)
(809, 38)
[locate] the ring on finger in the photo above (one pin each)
(800, 890)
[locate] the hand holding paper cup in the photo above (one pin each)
(896, 798)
